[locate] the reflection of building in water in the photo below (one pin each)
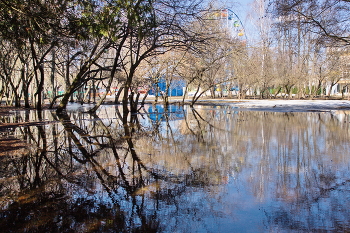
(173, 112)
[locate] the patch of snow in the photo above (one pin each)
(293, 105)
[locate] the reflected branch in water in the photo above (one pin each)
(107, 180)
(196, 113)
(112, 144)
(38, 162)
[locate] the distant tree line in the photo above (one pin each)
(302, 47)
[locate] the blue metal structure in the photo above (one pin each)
(176, 87)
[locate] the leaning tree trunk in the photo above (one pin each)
(102, 99)
(144, 99)
(116, 99)
(66, 96)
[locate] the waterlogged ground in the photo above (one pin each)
(208, 169)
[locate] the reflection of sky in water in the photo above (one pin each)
(218, 170)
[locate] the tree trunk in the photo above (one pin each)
(40, 89)
(134, 103)
(102, 99)
(116, 100)
(66, 96)
(125, 100)
(25, 87)
(144, 99)
(194, 99)
(54, 100)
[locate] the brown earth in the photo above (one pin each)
(5, 110)
(10, 145)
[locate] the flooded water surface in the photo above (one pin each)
(208, 169)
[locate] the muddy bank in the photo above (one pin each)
(10, 145)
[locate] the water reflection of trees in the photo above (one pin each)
(300, 160)
(132, 173)
(70, 165)
(65, 159)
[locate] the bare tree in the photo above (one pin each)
(327, 18)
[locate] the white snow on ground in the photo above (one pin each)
(275, 105)
(288, 105)
(319, 104)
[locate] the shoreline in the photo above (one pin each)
(253, 104)
(267, 105)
